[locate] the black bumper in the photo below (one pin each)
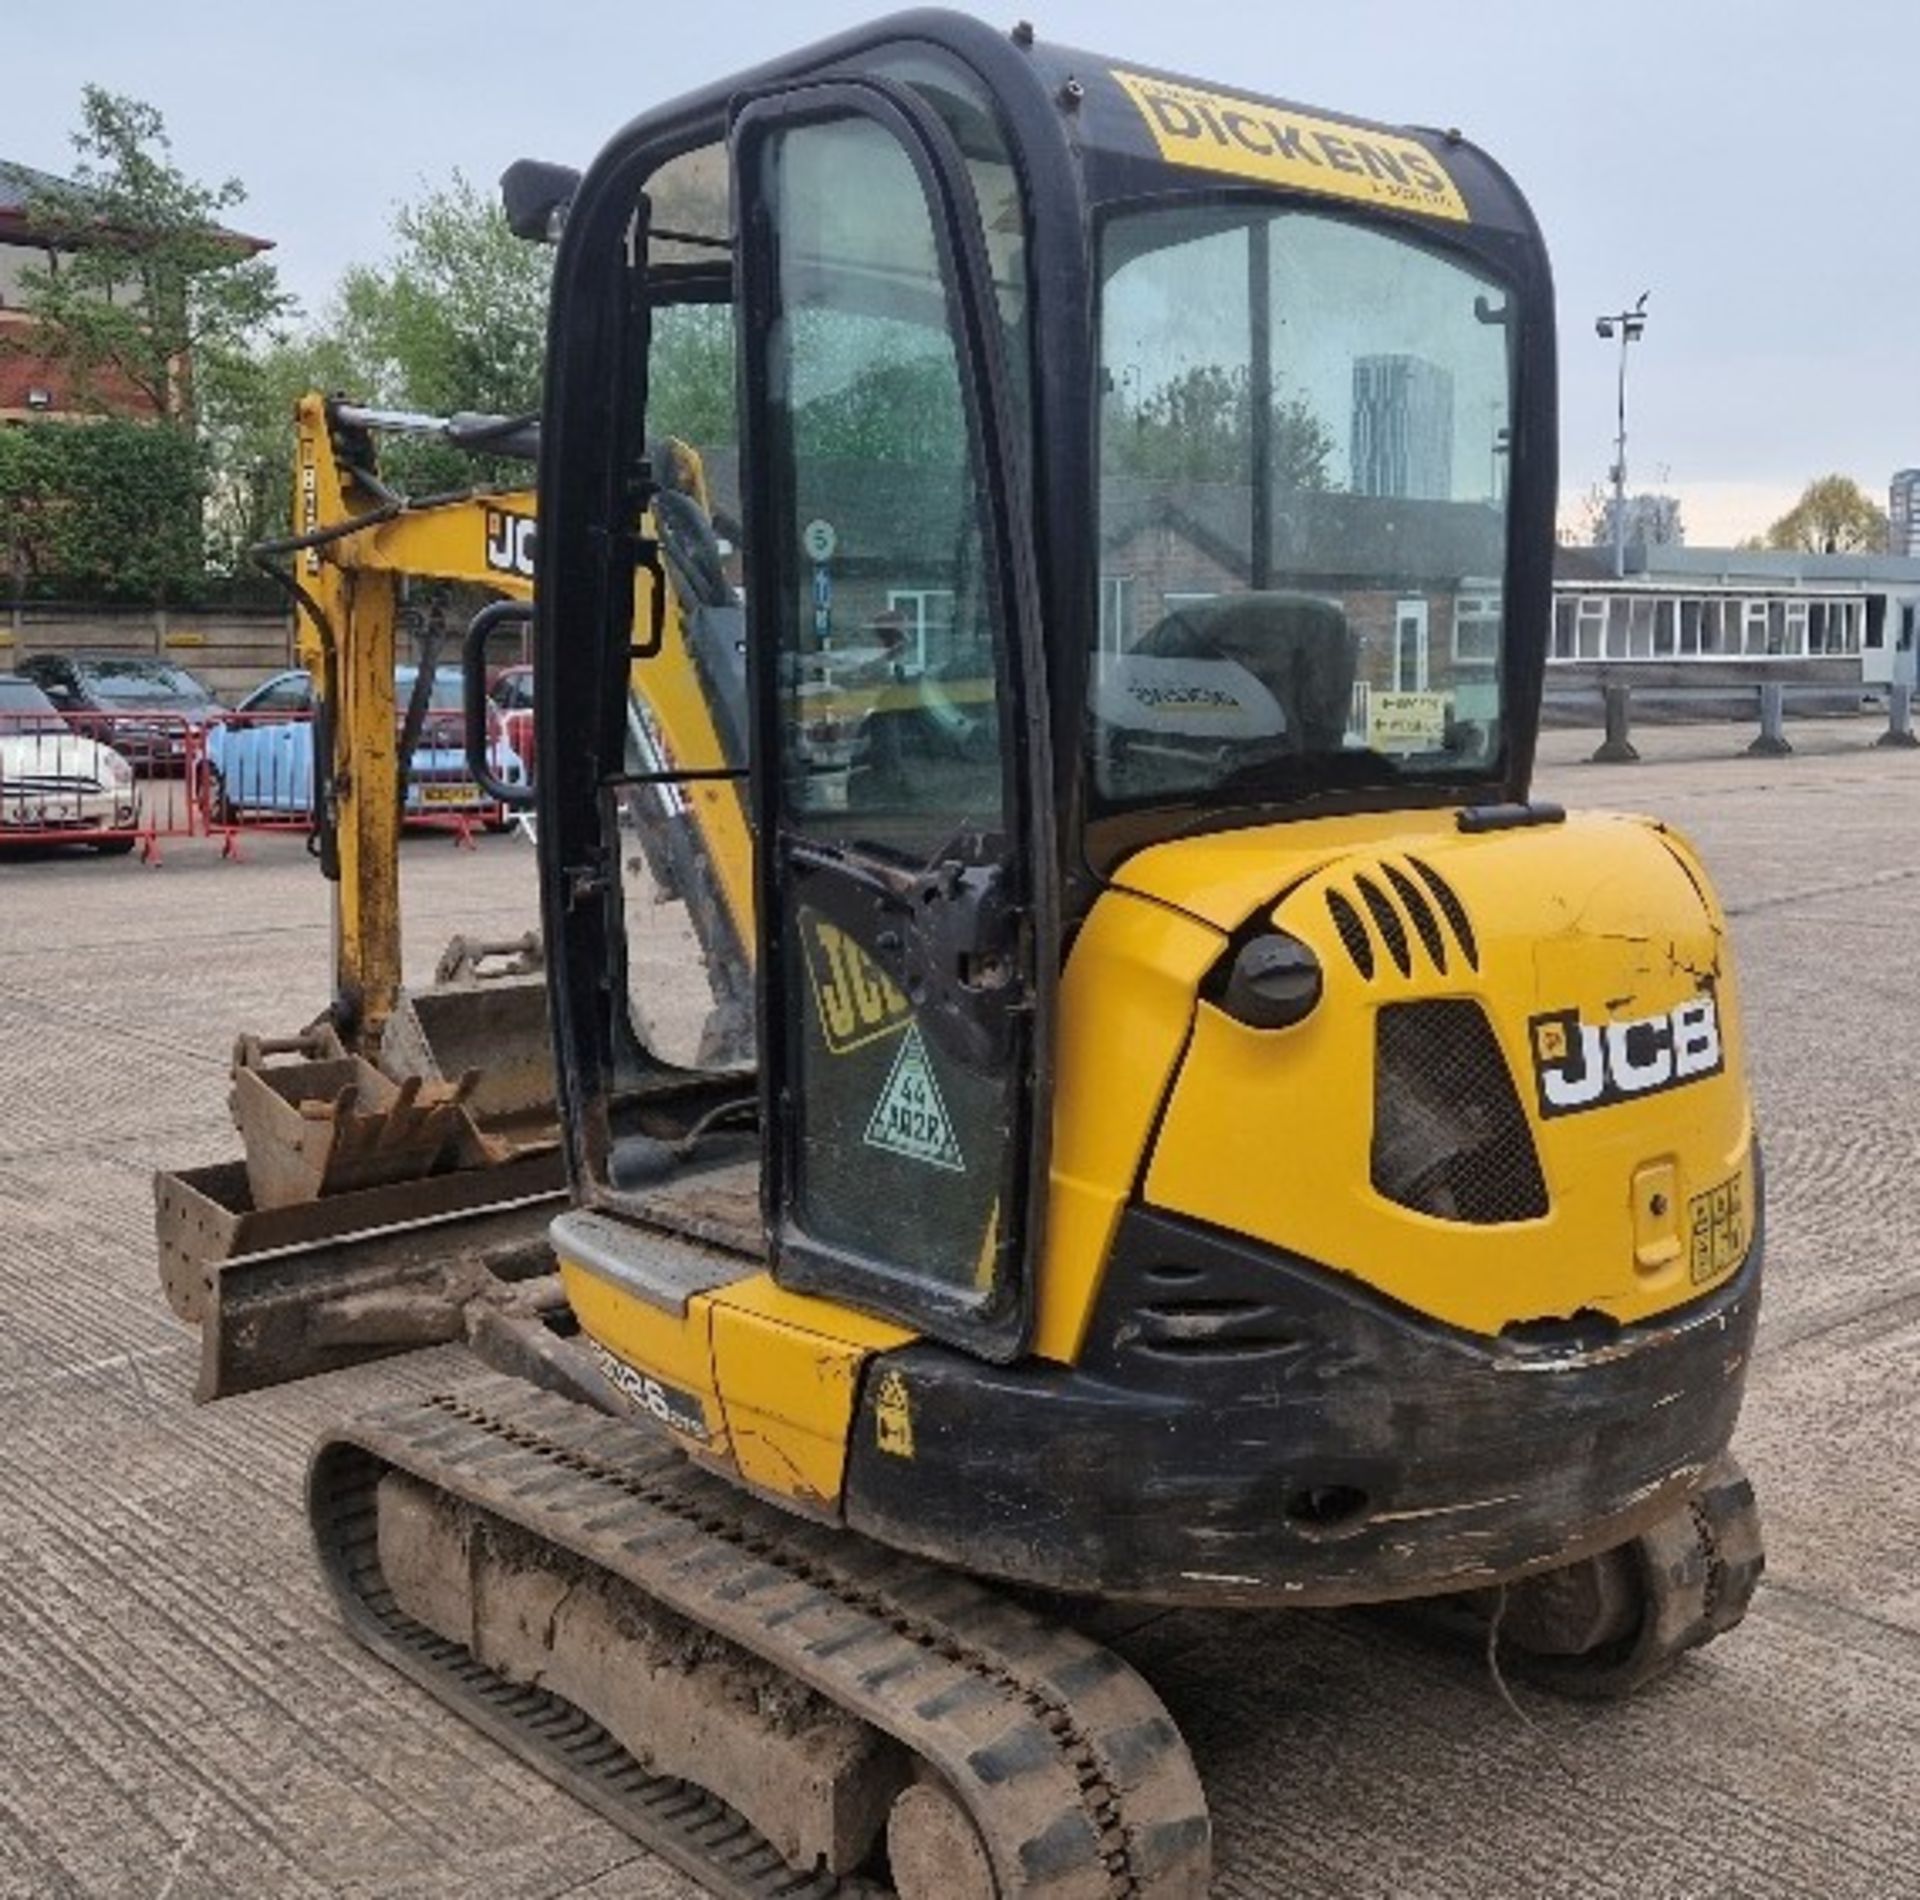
(1246, 1427)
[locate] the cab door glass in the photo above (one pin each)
(888, 675)
(890, 657)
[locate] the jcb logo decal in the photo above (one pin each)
(1591, 1065)
(858, 1002)
(509, 543)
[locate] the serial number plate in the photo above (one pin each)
(1716, 1231)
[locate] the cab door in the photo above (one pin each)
(899, 772)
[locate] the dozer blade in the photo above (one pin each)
(283, 1293)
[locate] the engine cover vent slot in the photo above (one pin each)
(1353, 933)
(1378, 905)
(1451, 908)
(1450, 1137)
(1424, 921)
(1387, 921)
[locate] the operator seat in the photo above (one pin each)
(715, 622)
(1298, 646)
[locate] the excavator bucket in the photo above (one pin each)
(283, 1293)
(484, 1018)
(378, 1209)
(331, 1123)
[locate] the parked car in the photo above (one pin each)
(512, 692)
(139, 705)
(55, 779)
(260, 760)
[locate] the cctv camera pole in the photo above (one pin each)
(1629, 324)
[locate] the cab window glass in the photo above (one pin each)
(889, 692)
(1303, 508)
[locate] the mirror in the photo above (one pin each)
(497, 677)
(535, 195)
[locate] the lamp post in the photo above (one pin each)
(1628, 324)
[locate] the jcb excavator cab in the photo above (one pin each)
(1181, 426)
(1210, 1139)
(1170, 952)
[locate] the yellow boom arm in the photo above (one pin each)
(354, 541)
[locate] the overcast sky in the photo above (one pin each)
(1755, 164)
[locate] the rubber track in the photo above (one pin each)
(1699, 1568)
(1067, 1761)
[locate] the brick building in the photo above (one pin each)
(32, 387)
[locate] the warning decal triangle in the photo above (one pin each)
(910, 1117)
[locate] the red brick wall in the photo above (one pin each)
(23, 371)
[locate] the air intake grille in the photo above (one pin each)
(1450, 1138)
(1386, 920)
(1414, 900)
(1456, 912)
(1401, 913)
(1353, 933)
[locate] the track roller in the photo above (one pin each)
(935, 1852)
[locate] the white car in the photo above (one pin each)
(54, 780)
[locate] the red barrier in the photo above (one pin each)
(64, 779)
(252, 772)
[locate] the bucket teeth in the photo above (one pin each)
(320, 1127)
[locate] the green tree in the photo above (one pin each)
(690, 391)
(251, 452)
(1834, 515)
(1199, 427)
(454, 319)
(903, 411)
(108, 511)
(158, 297)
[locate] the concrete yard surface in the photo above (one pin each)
(184, 1714)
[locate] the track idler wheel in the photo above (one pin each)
(1609, 1625)
(934, 1850)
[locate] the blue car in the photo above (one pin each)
(260, 761)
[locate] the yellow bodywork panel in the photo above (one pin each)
(1595, 935)
(665, 1345)
(1225, 877)
(789, 1373)
(1126, 1005)
(477, 539)
(775, 1374)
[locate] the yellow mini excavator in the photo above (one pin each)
(1211, 1138)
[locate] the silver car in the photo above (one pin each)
(55, 781)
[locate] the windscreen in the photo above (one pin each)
(446, 696)
(143, 680)
(1303, 508)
